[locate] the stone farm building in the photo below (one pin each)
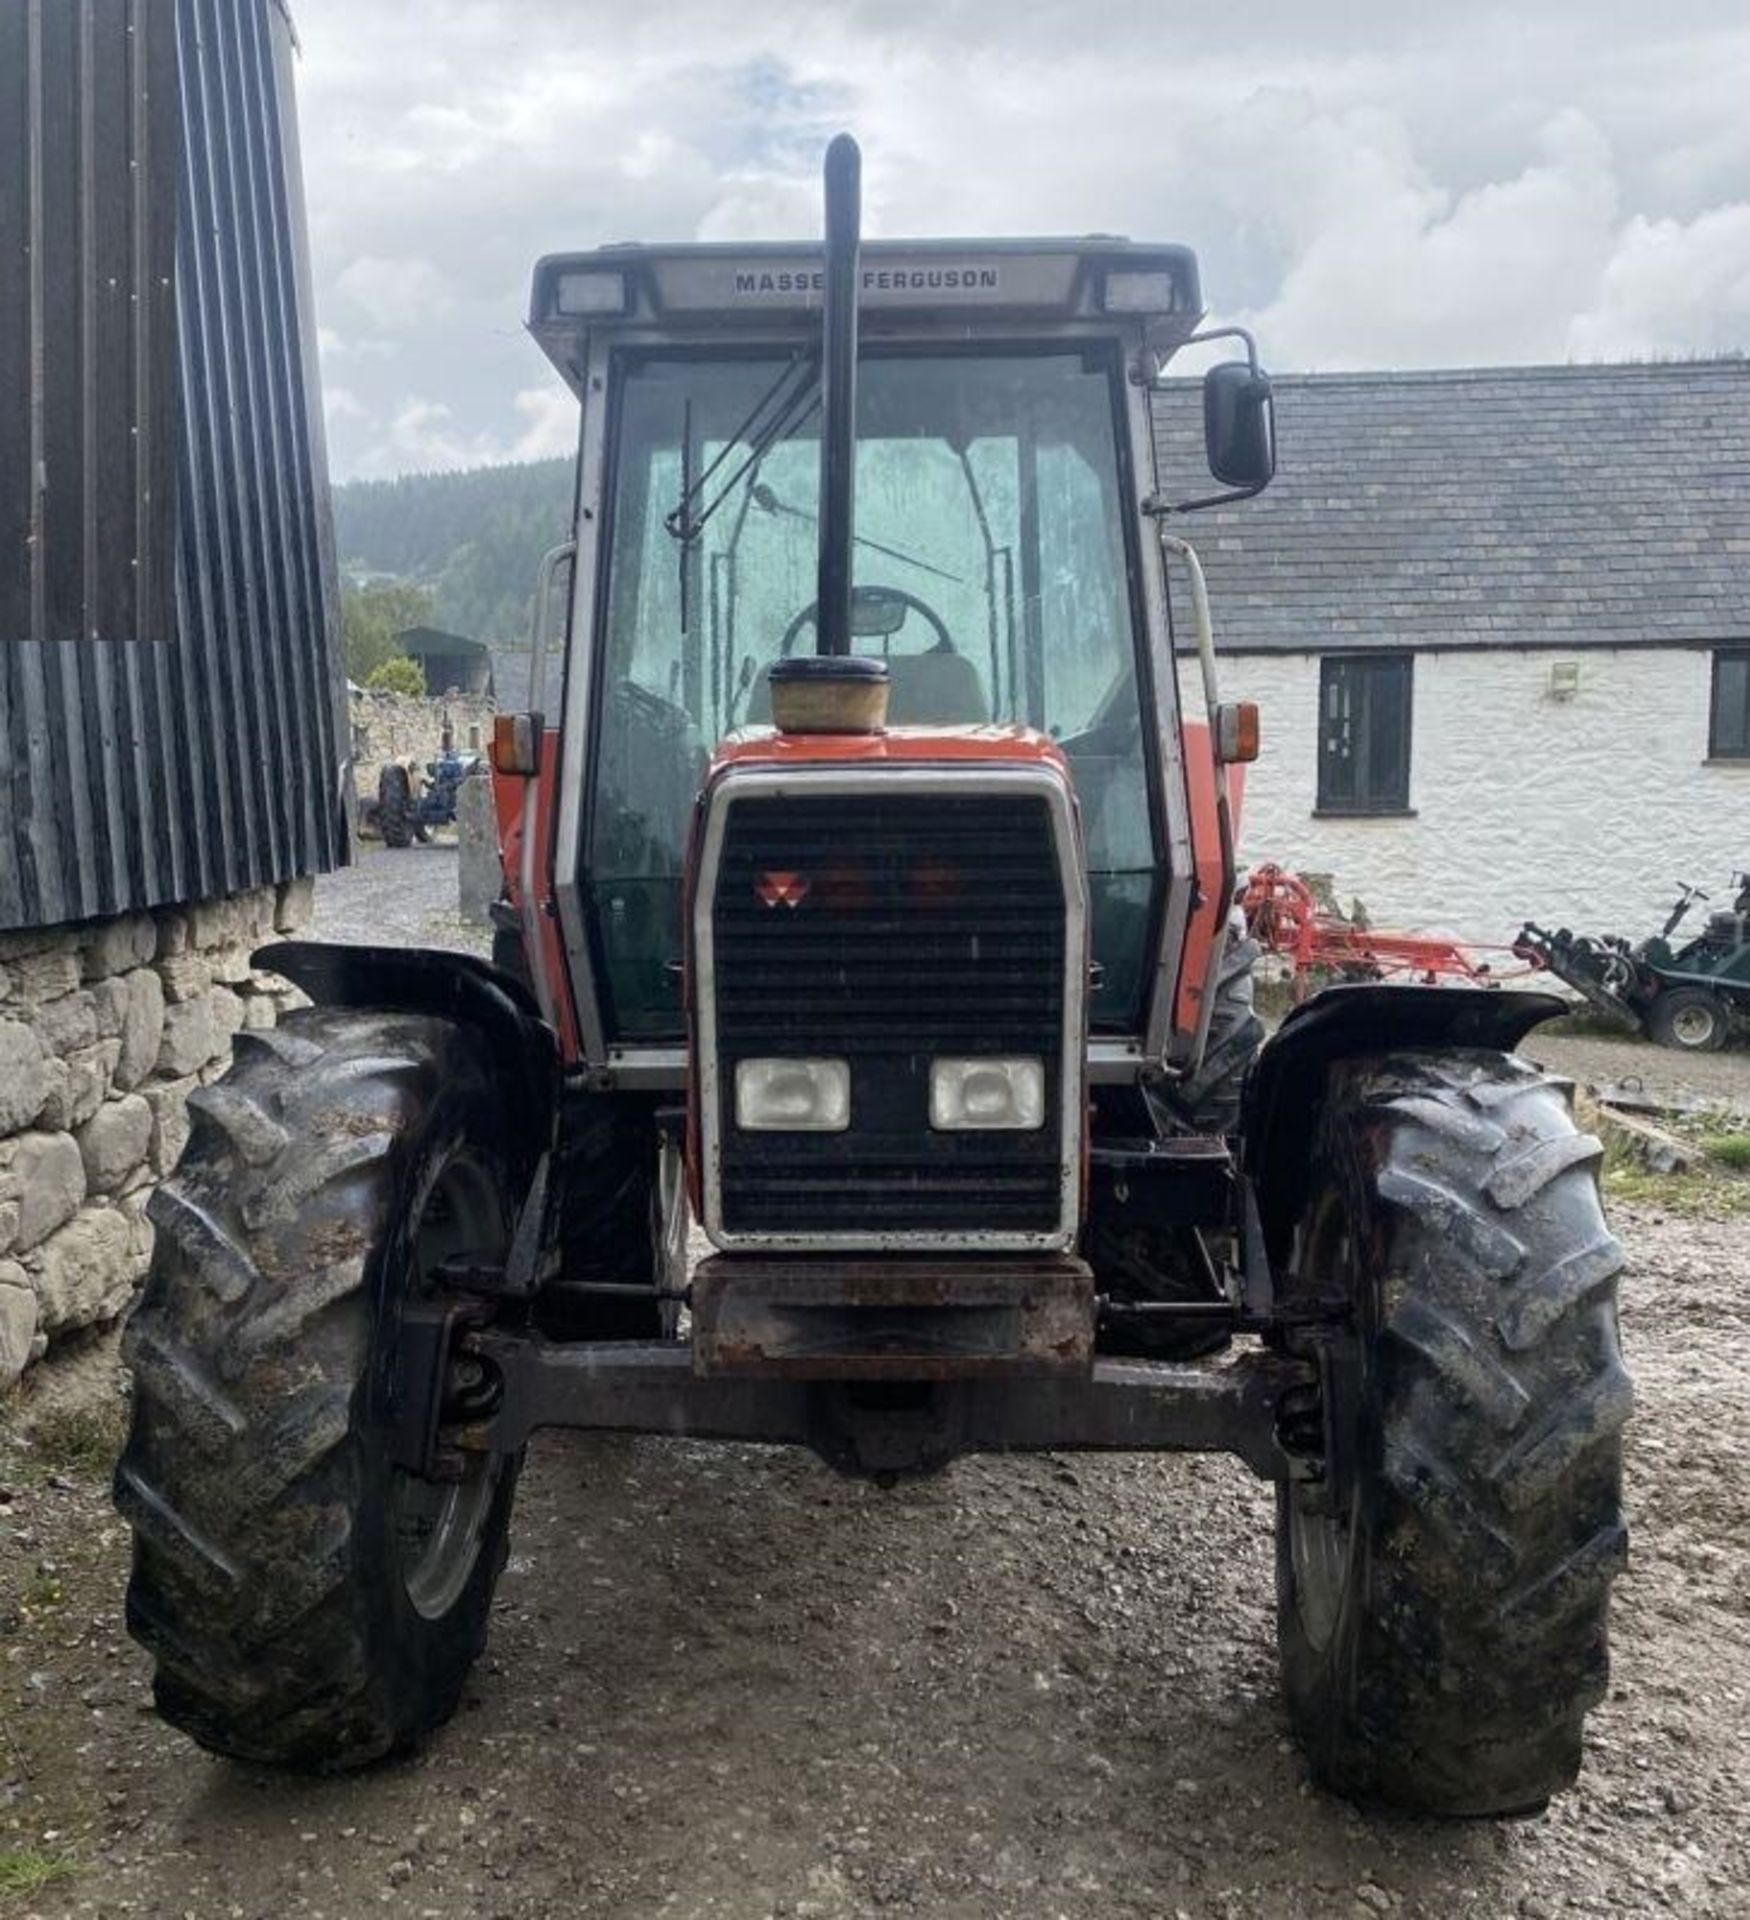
(173, 741)
(1498, 622)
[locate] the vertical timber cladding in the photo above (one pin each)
(171, 719)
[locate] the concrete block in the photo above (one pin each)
(86, 1272)
(114, 1141)
(185, 976)
(24, 1078)
(18, 1321)
(142, 1032)
(190, 1036)
(43, 1176)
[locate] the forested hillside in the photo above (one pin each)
(473, 538)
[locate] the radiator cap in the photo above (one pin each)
(829, 693)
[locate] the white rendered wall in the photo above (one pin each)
(1582, 812)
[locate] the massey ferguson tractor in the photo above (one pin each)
(870, 904)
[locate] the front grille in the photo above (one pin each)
(889, 928)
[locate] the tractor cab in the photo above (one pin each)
(1003, 564)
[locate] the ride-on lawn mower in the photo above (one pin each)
(871, 902)
(1694, 995)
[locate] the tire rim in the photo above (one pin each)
(1693, 1026)
(1319, 1544)
(440, 1526)
(1321, 1520)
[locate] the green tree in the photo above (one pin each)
(398, 674)
(373, 615)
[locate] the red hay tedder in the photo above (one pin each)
(1284, 917)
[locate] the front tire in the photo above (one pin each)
(308, 1603)
(1446, 1546)
(1691, 1019)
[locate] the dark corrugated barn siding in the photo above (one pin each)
(171, 715)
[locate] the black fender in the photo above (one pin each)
(1286, 1087)
(523, 1049)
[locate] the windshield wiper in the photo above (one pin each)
(775, 415)
(768, 502)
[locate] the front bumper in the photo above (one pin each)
(892, 1318)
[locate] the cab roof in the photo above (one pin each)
(704, 289)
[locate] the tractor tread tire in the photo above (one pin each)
(248, 1465)
(1208, 1101)
(1471, 1636)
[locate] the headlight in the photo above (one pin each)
(793, 1096)
(981, 1095)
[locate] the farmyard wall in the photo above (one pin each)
(1583, 812)
(105, 1030)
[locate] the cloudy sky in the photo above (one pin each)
(1375, 183)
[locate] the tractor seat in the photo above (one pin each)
(934, 689)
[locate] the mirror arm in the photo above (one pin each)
(1158, 509)
(1225, 333)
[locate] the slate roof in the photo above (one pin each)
(1503, 507)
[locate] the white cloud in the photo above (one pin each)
(1390, 268)
(549, 417)
(1371, 185)
(1672, 287)
(394, 294)
(341, 403)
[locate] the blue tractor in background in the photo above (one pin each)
(408, 807)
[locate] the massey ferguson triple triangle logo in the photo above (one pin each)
(782, 889)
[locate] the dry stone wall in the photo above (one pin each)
(105, 1030)
(398, 726)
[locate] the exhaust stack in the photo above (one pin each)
(833, 690)
(838, 393)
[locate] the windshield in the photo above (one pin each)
(991, 574)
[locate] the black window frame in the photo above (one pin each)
(1378, 794)
(1717, 749)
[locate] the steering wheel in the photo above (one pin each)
(872, 596)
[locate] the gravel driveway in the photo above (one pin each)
(723, 1682)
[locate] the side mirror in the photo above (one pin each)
(1239, 427)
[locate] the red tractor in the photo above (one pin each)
(871, 904)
